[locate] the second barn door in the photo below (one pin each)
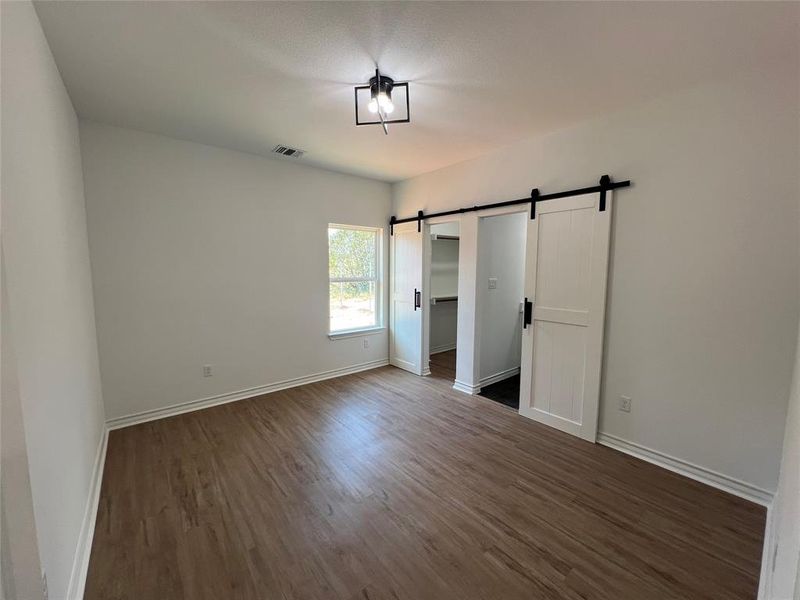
(565, 288)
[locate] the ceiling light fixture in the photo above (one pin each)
(380, 101)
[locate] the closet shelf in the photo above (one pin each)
(438, 299)
(436, 236)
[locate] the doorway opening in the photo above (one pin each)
(500, 304)
(443, 316)
(530, 301)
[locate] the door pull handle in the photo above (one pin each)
(527, 314)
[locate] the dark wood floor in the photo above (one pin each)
(443, 365)
(383, 485)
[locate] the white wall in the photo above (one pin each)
(50, 313)
(448, 228)
(444, 267)
(703, 289)
(501, 255)
(208, 256)
(444, 324)
(21, 575)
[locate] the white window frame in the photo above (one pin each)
(378, 279)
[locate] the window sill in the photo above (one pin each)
(338, 335)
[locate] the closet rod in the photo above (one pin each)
(605, 185)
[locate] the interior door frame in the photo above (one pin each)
(499, 212)
(601, 234)
(423, 365)
(427, 257)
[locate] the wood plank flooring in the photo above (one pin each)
(383, 485)
(443, 365)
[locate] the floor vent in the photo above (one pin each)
(286, 151)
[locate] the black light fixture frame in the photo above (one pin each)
(378, 81)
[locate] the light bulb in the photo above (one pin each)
(386, 103)
(373, 106)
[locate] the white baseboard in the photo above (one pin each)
(442, 348)
(80, 564)
(192, 405)
(499, 376)
(473, 390)
(714, 479)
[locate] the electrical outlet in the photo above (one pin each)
(366, 343)
(207, 371)
(625, 403)
(492, 283)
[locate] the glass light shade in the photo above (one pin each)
(385, 103)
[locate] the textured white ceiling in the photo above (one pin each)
(250, 75)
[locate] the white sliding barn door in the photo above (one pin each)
(405, 318)
(566, 271)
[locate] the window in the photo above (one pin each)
(354, 277)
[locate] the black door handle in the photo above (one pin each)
(527, 314)
(417, 299)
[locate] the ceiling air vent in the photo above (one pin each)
(286, 151)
